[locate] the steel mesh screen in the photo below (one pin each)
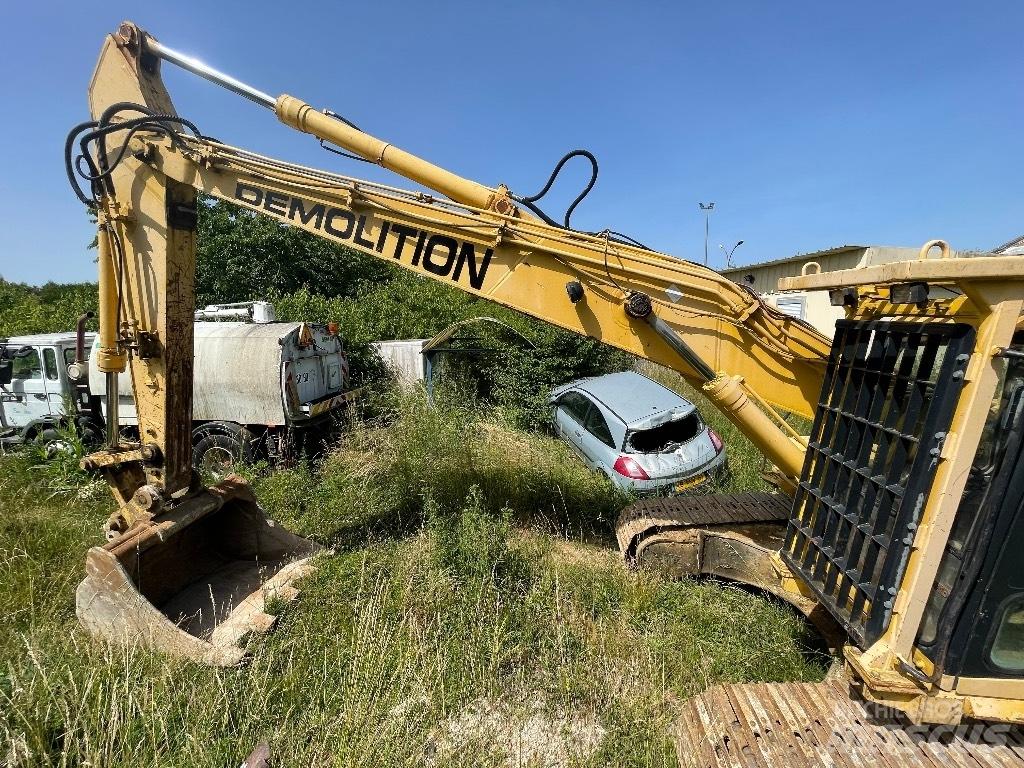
(889, 394)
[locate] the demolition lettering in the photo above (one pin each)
(440, 255)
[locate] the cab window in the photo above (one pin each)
(27, 367)
(1008, 647)
(50, 361)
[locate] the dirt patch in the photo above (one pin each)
(526, 736)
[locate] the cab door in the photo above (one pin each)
(55, 378)
(25, 398)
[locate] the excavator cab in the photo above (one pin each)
(973, 625)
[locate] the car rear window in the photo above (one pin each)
(666, 437)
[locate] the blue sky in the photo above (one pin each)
(810, 124)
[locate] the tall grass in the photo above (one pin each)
(473, 613)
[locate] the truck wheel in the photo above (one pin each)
(217, 453)
(53, 442)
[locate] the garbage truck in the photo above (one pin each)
(262, 389)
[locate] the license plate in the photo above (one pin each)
(691, 482)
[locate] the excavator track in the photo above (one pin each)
(734, 537)
(807, 725)
(654, 520)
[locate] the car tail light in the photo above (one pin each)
(628, 467)
(715, 440)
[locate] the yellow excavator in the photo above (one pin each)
(896, 526)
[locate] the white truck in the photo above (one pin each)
(262, 389)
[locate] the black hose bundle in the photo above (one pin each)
(530, 201)
(93, 164)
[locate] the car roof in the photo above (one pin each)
(45, 339)
(631, 396)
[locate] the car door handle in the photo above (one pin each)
(578, 434)
(37, 396)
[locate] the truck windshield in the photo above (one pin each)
(666, 437)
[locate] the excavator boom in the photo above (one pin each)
(146, 166)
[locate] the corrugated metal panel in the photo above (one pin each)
(1014, 247)
(404, 357)
(766, 274)
(791, 305)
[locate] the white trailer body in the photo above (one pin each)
(260, 390)
(255, 375)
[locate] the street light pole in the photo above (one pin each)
(729, 252)
(707, 208)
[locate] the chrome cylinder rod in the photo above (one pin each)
(197, 67)
(113, 398)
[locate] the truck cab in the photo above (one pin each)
(35, 386)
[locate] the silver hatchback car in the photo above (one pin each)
(646, 438)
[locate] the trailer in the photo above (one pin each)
(260, 390)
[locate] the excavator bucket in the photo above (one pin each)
(196, 580)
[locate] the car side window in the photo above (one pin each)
(27, 367)
(50, 361)
(597, 425)
(576, 405)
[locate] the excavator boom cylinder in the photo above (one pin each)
(197, 67)
(303, 117)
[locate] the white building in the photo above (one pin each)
(813, 306)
